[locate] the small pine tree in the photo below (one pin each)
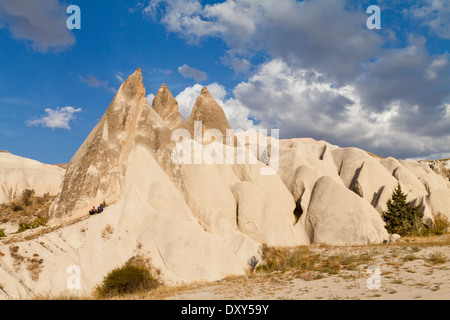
(402, 217)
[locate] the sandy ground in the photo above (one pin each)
(406, 272)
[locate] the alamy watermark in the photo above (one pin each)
(374, 21)
(245, 148)
(74, 21)
(374, 281)
(74, 280)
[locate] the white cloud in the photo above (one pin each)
(189, 72)
(42, 22)
(327, 75)
(436, 15)
(150, 98)
(322, 34)
(186, 99)
(58, 118)
(304, 103)
(237, 114)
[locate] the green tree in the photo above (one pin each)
(402, 217)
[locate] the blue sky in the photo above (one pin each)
(311, 68)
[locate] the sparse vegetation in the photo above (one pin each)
(26, 196)
(15, 207)
(402, 217)
(38, 222)
(28, 210)
(439, 226)
(436, 258)
(131, 278)
(302, 259)
(277, 259)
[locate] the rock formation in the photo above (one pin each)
(97, 170)
(18, 173)
(167, 107)
(208, 111)
(203, 221)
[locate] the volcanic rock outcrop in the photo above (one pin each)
(18, 173)
(203, 220)
(207, 111)
(167, 107)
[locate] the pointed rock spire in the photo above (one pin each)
(167, 107)
(96, 171)
(210, 113)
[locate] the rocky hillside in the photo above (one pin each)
(18, 173)
(196, 209)
(441, 167)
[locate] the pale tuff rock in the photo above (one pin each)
(338, 216)
(208, 111)
(441, 167)
(202, 221)
(18, 173)
(97, 170)
(167, 107)
(437, 201)
(263, 220)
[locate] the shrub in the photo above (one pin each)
(38, 222)
(2, 233)
(440, 224)
(281, 259)
(23, 226)
(16, 207)
(402, 217)
(26, 196)
(436, 258)
(127, 279)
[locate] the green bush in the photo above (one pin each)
(23, 227)
(127, 279)
(2, 233)
(402, 217)
(38, 222)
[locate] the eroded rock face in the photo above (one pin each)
(167, 107)
(205, 221)
(207, 111)
(338, 216)
(18, 173)
(184, 217)
(96, 171)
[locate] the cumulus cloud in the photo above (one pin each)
(321, 34)
(326, 75)
(189, 72)
(42, 23)
(304, 103)
(58, 118)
